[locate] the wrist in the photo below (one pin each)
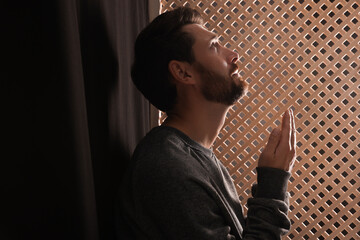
(272, 183)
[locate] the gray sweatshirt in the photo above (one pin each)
(177, 189)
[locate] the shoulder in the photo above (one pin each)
(160, 142)
(162, 153)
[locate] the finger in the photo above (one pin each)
(292, 154)
(293, 127)
(285, 130)
(273, 141)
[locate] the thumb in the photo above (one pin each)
(273, 141)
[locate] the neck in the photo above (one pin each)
(200, 123)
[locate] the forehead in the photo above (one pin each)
(200, 33)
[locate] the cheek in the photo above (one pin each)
(217, 65)
(220, 68)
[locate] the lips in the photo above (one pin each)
(235, 73)
(234, 70)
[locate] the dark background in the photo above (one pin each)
(70, 115)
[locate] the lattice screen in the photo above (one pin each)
(302, 54)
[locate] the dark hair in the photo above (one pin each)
(160, 42)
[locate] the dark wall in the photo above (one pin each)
(63, 153)
(38, 170)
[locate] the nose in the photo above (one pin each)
(232, 57)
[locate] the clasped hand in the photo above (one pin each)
(280, 151)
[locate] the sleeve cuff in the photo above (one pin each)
(272, 183)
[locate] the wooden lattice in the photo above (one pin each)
(301, 54)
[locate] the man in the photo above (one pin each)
(176, 188)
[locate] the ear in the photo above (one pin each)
(181, 72)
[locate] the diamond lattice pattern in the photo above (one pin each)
(303, 55)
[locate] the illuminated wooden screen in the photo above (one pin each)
(305, 55)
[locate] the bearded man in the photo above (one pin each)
(176, 188)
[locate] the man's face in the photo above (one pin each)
(216, 65)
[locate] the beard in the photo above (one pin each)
(221, 89)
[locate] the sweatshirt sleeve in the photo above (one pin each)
(268, 208)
